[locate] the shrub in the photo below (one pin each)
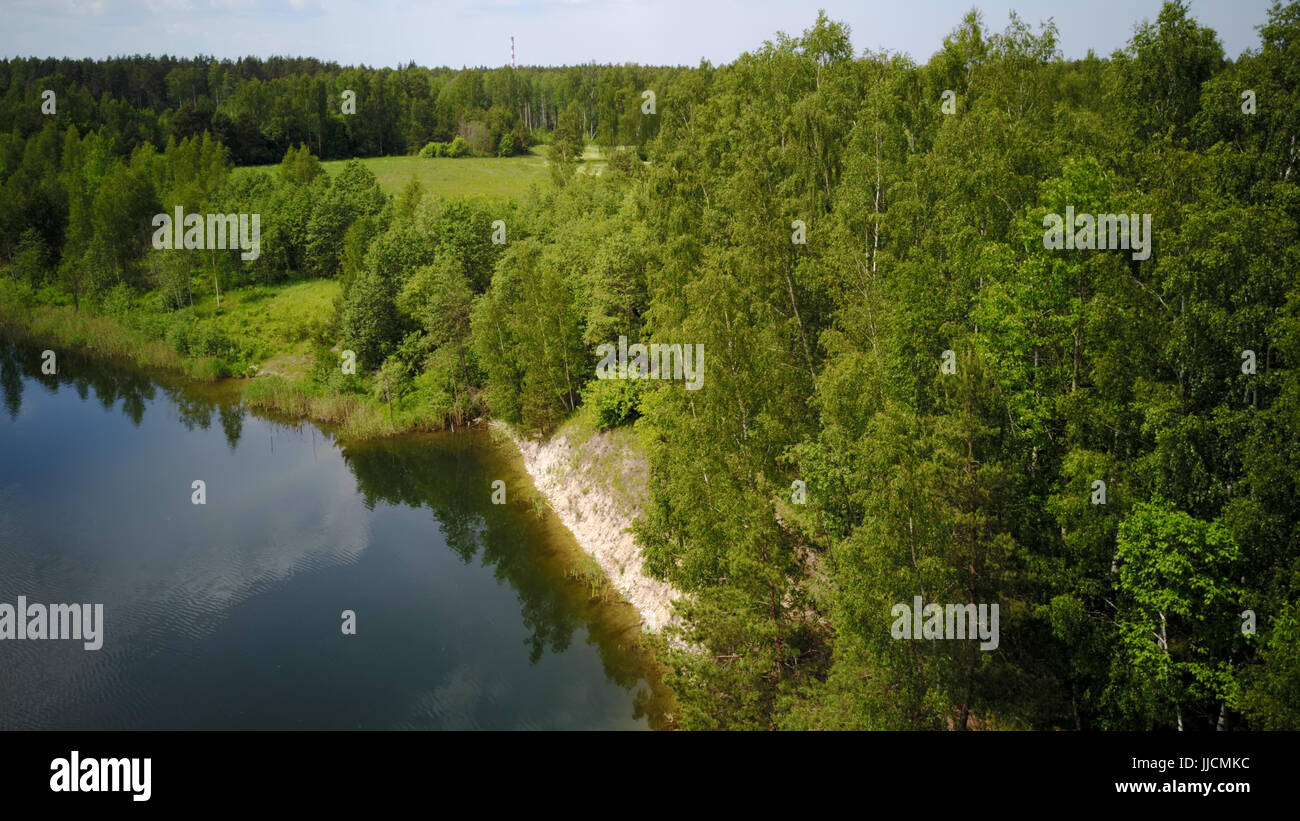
(210, 339)
(458, 148)
(119, 302)
(614, 402)
(626, 161)
(52, 294)
(16, 293)
(326, 372)
(180, 332)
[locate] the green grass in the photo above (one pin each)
(62, 326)
(272, 327)
(593, 161)
(274, 324)
(490, 177)
(353, 417)
(500, 178)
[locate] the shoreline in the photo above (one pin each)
(349, 416)
(598, 513)
(560, 470)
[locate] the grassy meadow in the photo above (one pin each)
(495, 178)
(274, 324)
(499, 178)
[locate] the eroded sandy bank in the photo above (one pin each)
(593, 486)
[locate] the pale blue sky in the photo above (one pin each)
(555, 32)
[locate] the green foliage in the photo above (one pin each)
(299, 167)
(1176, 613)
(1160, 75)
(614, 402)
(119, 303)
(434, 149)
(1070, 370)
(370, 325)
(16, 294)
(353, 194)
(566, 144)
(1271, 695)
(458, 148)
(30, 261)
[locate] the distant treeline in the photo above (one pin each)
(258, 109)
(908, 389)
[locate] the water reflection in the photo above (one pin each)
(181, 590)
(19, 362)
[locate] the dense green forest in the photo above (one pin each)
(258, 109)
(918, 399)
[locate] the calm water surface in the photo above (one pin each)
(228, 614)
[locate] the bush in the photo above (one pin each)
(150, 315)
(326, 372)
(614, 402)
(16, 293)
(119, 302)
(211, 340)
(507, 148)
(180, 332)
(458, 148)
(52, 294)
(626, 161)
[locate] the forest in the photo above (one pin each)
(907, 388)
(257, 109)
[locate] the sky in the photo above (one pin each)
(557, 32)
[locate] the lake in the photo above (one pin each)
(230, 614)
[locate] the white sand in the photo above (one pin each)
(595, 516)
